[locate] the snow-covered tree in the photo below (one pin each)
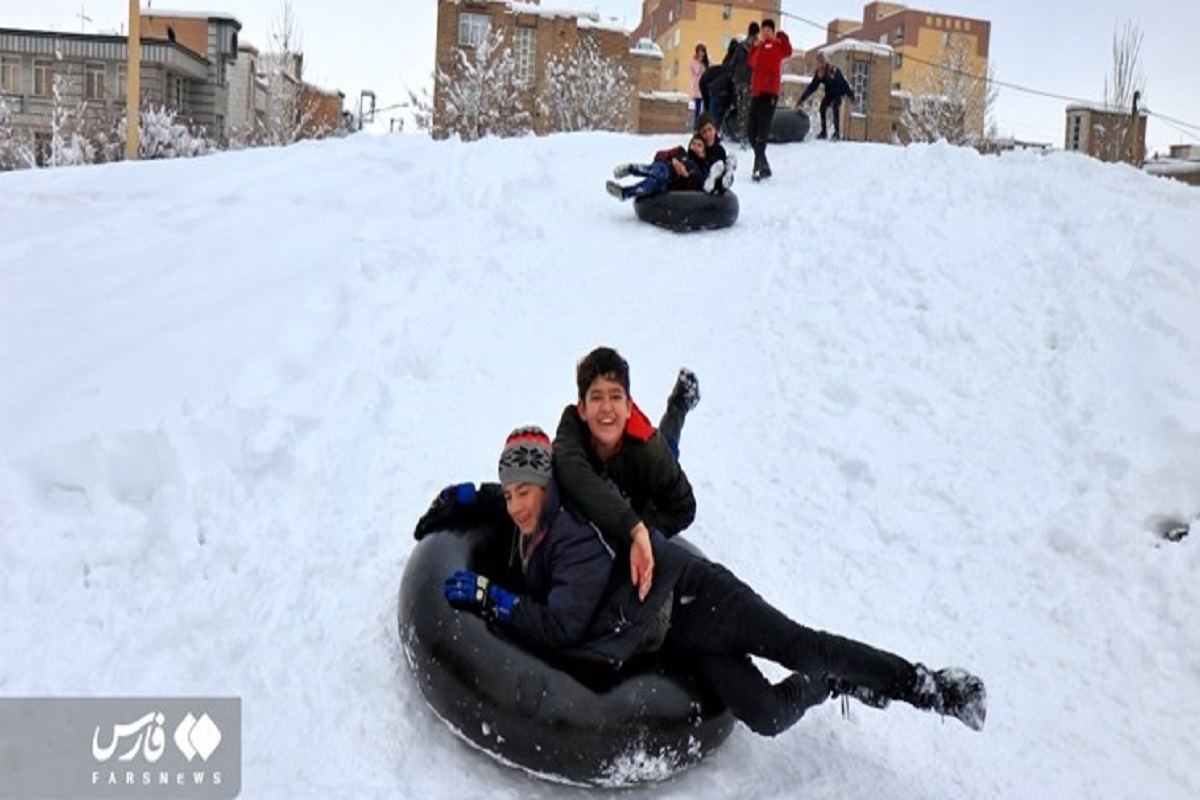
(952, 101)
(16, 147)
(584, 91)
(420, 105)
(164, 136)
(1126, 81)
(483, 95)
(287, 113)
(68, 147)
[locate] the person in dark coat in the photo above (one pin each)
(742, 74)
(836, 87)
(605, 439)
(671, 170)
(718, 165)
(716, 87)
(578, 601)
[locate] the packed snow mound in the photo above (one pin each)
(948, 399)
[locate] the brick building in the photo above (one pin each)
(1109, 134)
(535, 35)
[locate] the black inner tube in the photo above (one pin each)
(684, 211)
(562, 720)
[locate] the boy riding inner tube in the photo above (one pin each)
(561, 719)
(684, 211)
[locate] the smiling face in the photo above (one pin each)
(708, 132)
(524, 502)
(605, 408)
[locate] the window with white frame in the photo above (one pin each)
(43, 78)
(10, 75)
(897, 60)
(860, 79)
(1076, 132)
(122, 81)
(473, 29)
(525, 53)
(93, 82)
(727, 11)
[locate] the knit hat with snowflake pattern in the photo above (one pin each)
(526, 457)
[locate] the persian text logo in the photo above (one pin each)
(194, 737)
(151, 739)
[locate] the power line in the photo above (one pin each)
(1007, 85)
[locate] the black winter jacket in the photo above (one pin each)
(653, 487)
(835, 85)
(579, 600)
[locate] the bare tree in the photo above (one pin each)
(483, 95)
(287, 114)
(584, 91)
(1126, 83)
(953, 101)
(420, 105)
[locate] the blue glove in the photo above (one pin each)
(473, 592)
(448, 504)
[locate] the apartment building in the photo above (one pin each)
(677, 26)
(923, 43)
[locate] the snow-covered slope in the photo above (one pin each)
(946, 400)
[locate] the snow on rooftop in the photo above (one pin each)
(859, 46)
(166, 12)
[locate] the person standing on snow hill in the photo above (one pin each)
(579, 602)
(606, 438)
(671, 170)
(766, 60)
(698, 66)
(836, 87)
(742, 75)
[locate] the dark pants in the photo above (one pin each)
(762, 113)
(743, 112)
(671, 426)
(835, 103)
(725, 622)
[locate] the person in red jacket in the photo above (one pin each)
(766, 59)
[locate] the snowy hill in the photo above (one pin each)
(947, 400)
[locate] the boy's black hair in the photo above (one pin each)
(603, 362)
(769, 23)
(705, 118)
(752, 30)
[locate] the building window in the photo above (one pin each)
(946, 39)
(10, 75)
(883, 39)
(727, 11)
(93, 82)
(1076, 131)
(175, 93)
(899, 34)
(860, 79)
(43, 78)
(897, 60)
(675, 41)
(525, 51)
(122, 81)
(473, 29)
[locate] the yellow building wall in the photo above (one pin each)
(710, 27)
(920, 61)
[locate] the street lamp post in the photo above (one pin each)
(133, 89)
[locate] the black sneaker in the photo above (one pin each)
(951, 692)
(843, 688)
(821, 135)
(686, 393)
(765, 172)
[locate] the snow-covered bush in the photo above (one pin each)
(584, 91)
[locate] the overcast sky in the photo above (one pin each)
(1063, 47)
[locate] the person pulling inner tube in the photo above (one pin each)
(580, 601)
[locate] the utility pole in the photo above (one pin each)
(133, 89)
(1135, 155)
